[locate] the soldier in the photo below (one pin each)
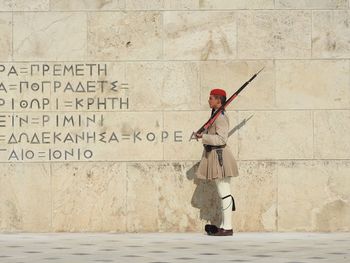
(218, 163)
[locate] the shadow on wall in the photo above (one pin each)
(205, 197)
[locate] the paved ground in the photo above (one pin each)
(174, 247)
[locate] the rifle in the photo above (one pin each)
(223, 106)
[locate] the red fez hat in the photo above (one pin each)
(218, 92)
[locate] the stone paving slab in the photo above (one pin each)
(288, 247)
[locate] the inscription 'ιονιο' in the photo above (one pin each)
(75, 111)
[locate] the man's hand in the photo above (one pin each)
(199, 135)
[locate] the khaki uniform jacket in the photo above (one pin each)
(209, 166)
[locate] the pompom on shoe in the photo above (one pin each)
(211, 229)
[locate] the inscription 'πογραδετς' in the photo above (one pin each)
(67, 111)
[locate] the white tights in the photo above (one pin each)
(224, 189)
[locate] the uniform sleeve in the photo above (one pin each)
(220, 138)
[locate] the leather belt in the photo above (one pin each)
(208, 147)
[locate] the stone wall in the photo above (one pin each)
(289, 127)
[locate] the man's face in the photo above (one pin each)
(214, 102)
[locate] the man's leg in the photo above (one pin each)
(224, 190)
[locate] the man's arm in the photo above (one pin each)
(220, 138)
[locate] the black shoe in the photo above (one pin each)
(223, 232)
(211, 229)
(233, 202)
